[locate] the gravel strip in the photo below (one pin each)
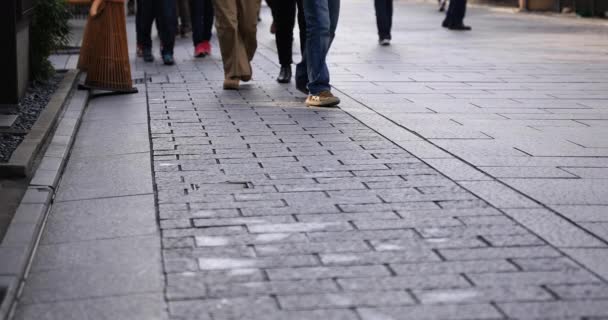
(35, 100)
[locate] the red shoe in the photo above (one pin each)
(202, 49)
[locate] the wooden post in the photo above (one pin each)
(14, 57)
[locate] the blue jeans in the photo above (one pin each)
(321, 23)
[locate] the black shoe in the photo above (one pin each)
(147, 54)
(445, 24)
(168, 59)
(284, 75)
(459, 27)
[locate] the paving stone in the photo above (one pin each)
(357, 258)
(221, 263)
(546, 264)
(535, 310)
(345, 300)
(138, 253)
(584, 213)
(593, 259)
(327, 272)
(404, 282)
(137, 307)
(311, 247)
(453, 267)
(534, 278)
(581, 291)
(467, 311)
(122, 175)
(513, 240)
(101, 219)
(299, 287)
(498, 194)
(504, 293)
(89, 283)
(554, 229)
(498, 253)
(222, 308)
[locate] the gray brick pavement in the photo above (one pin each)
(270, 210)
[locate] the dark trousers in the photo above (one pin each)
(384, 18)
(201, 12)
(284, 15)
(164, 12)
(455, 14)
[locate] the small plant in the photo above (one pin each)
(49, 31)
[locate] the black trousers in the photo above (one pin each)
(384, 18)
(455, 14)
(165, 14)
(284, 15)
(201, 12)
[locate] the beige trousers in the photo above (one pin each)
(236, 23)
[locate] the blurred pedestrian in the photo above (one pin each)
(454, 19)
(131, 7)
(273, 26)
(523, 5)
(442, 4)
(312, 74)
(183, 12)
(384, 20)
(236, 24)
(284, 12)
(202, 24)
(164, 12)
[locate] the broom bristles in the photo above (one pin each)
(105, 54)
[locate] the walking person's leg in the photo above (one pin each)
(383, 20)
(321, 22)
(389, 4)
(185, 16)
(166, 19)
(143, 23)
(273, 26)
(302, 68)
(454, 19)
(285, 22)
(247, 30)
(523, 5)
(231, 45)
(202, 24)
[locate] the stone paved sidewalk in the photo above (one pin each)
(270, 210)
(439, 189)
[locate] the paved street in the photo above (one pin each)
(464, 176)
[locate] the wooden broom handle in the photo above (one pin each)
(97, 7)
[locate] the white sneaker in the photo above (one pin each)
(385, 42)
(323, 99)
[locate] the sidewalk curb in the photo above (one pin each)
(21, 162)
(23, 234)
